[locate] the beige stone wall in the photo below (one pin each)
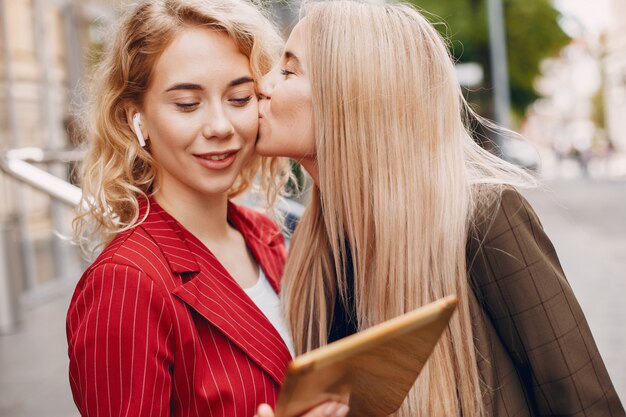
(32, 124)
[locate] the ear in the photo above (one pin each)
(133, 117)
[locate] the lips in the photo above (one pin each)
(220, 157)
(261, 107)
(217, 160)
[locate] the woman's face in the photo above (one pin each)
(286, 113)
(200, 114)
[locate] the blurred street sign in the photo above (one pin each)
(469, 74)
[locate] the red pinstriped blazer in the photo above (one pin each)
(157, 326)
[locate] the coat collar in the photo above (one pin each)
(207, 287)
(169, 236)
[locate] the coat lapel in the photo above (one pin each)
(207, 287)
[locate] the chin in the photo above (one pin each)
(215, 190)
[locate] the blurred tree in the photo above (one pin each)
(597, 108)
(598, 112)
(533, 33)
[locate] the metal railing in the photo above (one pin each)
(18, 164)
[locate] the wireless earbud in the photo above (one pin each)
(137, 126)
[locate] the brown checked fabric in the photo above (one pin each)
(536, 354)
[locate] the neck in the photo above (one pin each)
(204, 216)
(310, 164)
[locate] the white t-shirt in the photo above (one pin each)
(268, 302)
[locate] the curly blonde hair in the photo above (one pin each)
(116, 171)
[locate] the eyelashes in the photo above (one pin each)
(240, 102)
(236, 101)
(187, 107)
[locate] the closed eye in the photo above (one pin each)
(241, 101)
(187, 107)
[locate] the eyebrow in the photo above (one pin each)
(290, 55)
(241, 80)
(198, 87)
(184, 86)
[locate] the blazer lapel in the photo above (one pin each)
(169, 236)
(226, 306)
(207, 287)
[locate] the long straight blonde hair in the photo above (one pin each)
(398, 180)
(117, 172)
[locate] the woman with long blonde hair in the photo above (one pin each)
(179, 314)
(407, 208)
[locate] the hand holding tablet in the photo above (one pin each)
(375, 368)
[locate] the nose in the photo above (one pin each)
(266, 86)
(218, 125)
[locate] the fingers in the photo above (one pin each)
(329, 409)
(264, 410)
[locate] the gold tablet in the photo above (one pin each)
(375, 368)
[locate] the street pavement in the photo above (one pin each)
(585, 219)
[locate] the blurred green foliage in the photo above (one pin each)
(533, 33)
(597, 108)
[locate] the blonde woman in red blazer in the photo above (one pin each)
(179, 314)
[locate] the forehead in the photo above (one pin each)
(200, 55)
(297, 37)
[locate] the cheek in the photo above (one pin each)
(283, 107)
(300, 127)
(292, 109)
(167, 128)
(288, 129)
(246, 122)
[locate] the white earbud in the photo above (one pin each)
(137, 126)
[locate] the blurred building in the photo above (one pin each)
(615, 76)
(581, 115)
(46, 46)
(562, 119)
